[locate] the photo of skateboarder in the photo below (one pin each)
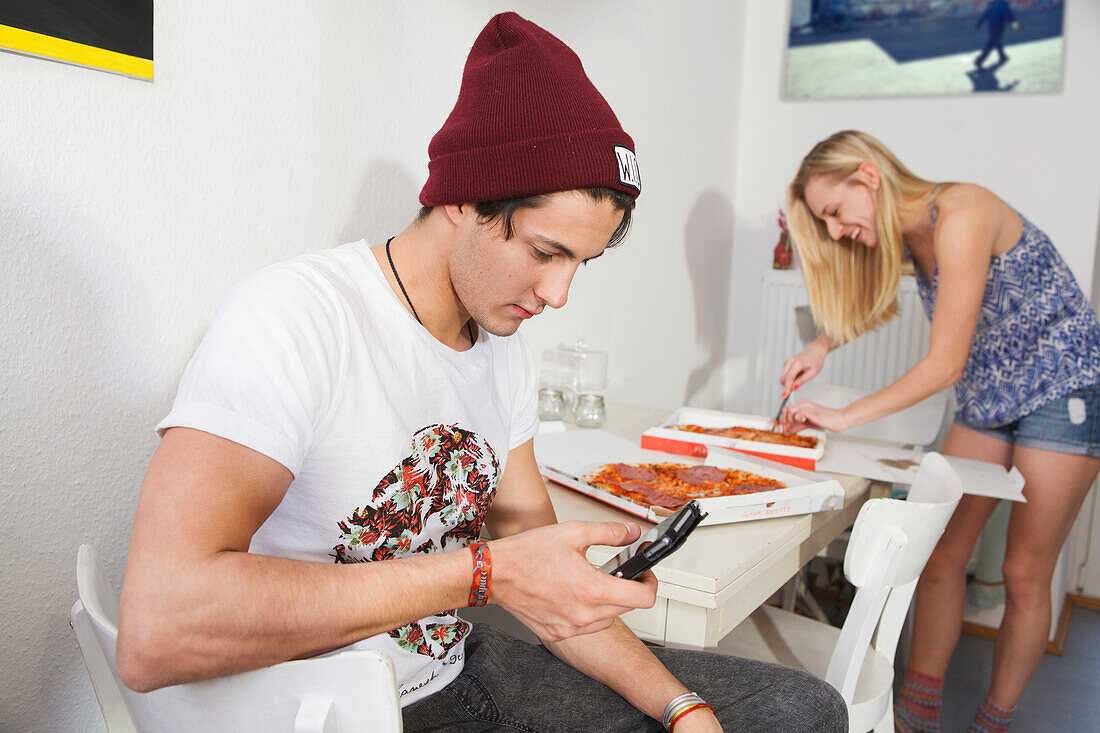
(862, 48)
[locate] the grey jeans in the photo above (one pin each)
(510, 685)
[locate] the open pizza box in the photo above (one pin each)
(663, 437)
(565, 458)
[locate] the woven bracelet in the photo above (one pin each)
(483, 574)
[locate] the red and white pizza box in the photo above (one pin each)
(663, 438)
(565, 458)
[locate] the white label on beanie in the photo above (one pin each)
(629, 175)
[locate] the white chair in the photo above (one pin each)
(917, 426)
(890, 543)
(342, 691)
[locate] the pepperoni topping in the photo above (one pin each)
(652, 496)
(635, 473)
(701, 475)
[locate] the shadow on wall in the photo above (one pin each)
(746, 320)
(708, 241)
(386, 204)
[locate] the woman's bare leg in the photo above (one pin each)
(1057, 484)
(941, 590)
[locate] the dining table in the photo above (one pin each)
(721, 574)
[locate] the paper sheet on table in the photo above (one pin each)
(885, 462)
(876, 461)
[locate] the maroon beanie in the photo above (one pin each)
(527, 121)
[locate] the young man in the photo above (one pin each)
(373, 406)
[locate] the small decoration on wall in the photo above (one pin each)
(862, 48)
(113, 35)
(783, 255)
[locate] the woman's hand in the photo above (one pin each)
(807, 414)
(804, 366)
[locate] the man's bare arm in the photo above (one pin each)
(196, 604)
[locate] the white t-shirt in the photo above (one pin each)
(396, 442)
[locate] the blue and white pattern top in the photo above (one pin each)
(1037, 337)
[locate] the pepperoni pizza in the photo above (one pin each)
(758, 436)
(671, 485)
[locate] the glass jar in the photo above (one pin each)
(573, 369)
(590, 411)
(551, 404)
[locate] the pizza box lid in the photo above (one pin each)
(565, 458)
(894, 463)
(719, 419)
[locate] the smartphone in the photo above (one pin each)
(656, 544)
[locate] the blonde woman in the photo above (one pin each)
(1013, 333)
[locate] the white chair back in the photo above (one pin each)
(918, 425)
(891, 542)
(342, 691)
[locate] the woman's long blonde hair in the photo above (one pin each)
(853, 288)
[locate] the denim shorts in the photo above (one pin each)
(1069, 424)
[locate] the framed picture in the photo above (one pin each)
(113, 35)
(873, 48)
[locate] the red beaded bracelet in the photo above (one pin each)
(483, 574)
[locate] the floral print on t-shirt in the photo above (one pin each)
(436, 497)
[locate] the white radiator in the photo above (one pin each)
(871, 362)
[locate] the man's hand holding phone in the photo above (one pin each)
(543, 578)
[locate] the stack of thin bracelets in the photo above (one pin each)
(680, 706)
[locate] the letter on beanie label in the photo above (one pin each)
(629, 175)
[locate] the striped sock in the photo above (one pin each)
(917, 709)
(991, 718)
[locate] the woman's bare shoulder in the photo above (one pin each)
(977, 214)
(960, 197)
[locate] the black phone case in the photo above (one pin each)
(649, 555)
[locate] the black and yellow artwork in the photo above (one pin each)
(113, 35)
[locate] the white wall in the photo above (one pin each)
(673, 85)
(1038, 152)
(275, 128)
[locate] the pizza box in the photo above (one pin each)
(662, 437)
(565, 458)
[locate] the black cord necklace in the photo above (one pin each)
(393, 269)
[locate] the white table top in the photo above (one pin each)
(708, 568)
